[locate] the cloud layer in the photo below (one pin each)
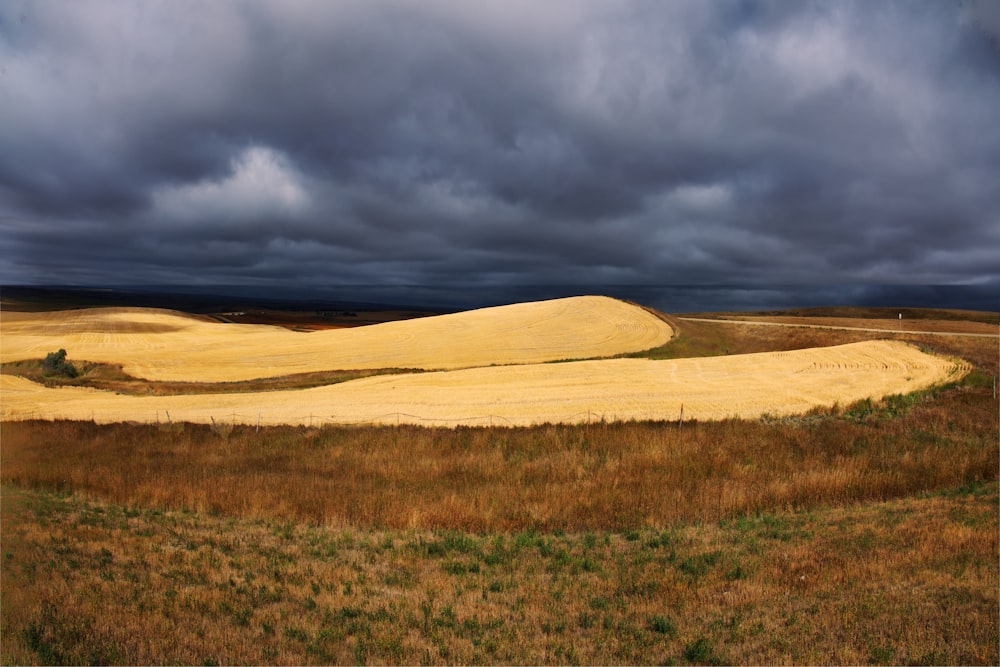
(318, 143)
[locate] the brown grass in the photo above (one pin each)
(884, 324)
(617, 476)
(868, 313)
(911, 581)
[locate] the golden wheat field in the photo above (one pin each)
(496, 351)
(168, 345)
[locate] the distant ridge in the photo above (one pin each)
(691, 298)
(39, 298)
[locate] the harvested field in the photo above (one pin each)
(746, 386)
(928, 327)
(891, 325)
(168, 345)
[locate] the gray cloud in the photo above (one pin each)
(300, 143)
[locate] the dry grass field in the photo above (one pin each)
(884, 324)
(926, 326)
(865, 532)
(910, 581)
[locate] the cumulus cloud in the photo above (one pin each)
(261, 184)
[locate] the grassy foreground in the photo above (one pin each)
(910, 581)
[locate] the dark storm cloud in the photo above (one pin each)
(311, 143)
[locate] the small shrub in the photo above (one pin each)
(55, 364)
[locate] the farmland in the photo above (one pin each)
(169, 345)
(493, 377)
(630, 389)
(847, 528)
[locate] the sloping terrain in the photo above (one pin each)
(168, 345)
(747, 386)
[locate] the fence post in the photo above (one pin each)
(680, 420)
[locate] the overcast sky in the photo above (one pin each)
(493, 143)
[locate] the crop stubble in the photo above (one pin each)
(167, 345)
(523, 392)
